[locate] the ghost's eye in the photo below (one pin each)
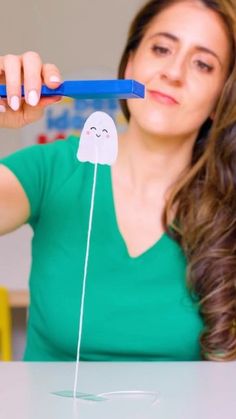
(94, 128)
(105, 130)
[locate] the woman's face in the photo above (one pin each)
(183, 60)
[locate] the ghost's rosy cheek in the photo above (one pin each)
(87, 132)
(108, 136)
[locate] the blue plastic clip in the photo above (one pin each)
(90, 89)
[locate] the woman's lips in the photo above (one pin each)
(163, 98)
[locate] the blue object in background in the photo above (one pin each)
(90, 89)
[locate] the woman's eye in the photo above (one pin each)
(204, 67)
(160, 50)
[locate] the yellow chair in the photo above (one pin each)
(5, 327)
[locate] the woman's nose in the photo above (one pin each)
(174, 69)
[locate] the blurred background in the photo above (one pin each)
(85, 39)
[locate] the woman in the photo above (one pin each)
(164, 213)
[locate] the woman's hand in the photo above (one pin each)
(27, 69)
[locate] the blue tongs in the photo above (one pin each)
(91, 89)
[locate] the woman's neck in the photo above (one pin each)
(147, 161)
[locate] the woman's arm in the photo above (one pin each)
(14, 204)
(16, 112)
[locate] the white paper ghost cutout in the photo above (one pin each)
(98, 140)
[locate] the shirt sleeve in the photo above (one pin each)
(30, 168)
(40, 169)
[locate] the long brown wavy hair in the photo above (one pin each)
(204, 198)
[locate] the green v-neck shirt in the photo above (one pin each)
(136, 308)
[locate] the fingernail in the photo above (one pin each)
(33, 98)
(54, 79)
(15, 103)
(2, 108)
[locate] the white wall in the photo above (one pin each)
(73, 34)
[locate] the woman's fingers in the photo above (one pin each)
(2, 77)
(31, 113)
(12, 69)
(26, 69)
(2, 106)
(51, 75)
(45, 101)
(32, 69)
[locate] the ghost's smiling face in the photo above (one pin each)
(99, 133)
(98, 141)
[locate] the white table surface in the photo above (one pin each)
(186, 390)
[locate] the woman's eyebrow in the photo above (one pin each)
(199, 48)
